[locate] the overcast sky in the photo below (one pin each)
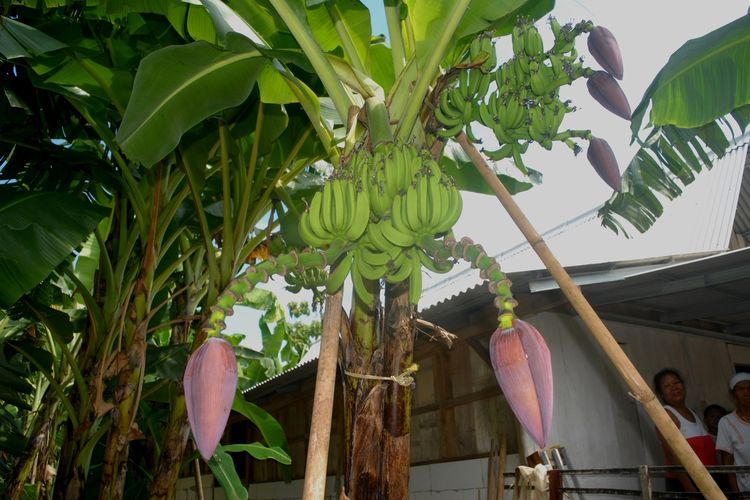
(647, 33)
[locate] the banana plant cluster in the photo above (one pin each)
(524, 106)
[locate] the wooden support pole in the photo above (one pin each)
(555, 484)
(325, 385)
(638, 387)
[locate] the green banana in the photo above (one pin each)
(518, 160)
(555, 26)
(409, 205)
(415, 278)
(359, 206)
(324, 209)
(360, 288)
(446, 120)
(367, 270)
(338, 274)
(470, 134)
(505, 151)
(401, 269)
(517, 39)
(340, 209)
(316, 218)
(484, 85)
(380, 202)
(452, 210)
(395, 236)
(432, 265)
(308, 235)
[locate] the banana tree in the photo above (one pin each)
(392, 196)
(179, 182)
(699, 103)
(389, 204)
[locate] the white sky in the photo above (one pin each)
(648, 32)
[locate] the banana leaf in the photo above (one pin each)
(39, 231)
(699, 106)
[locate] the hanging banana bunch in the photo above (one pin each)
(524, 106)
(456, 107)
(379, 211)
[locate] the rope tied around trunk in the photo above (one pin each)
(404, 378)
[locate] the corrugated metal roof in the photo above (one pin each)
(742, 217)
(298, 372)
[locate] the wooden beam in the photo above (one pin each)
(705, 311)
(659, 288)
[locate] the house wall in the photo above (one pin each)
(596, 421)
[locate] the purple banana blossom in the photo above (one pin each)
(210, 382)
(521, 360)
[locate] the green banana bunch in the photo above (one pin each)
(341, 211)
(482, 53)
(430, 206)
(310, 278)
(532, 42)
(456, 103)
(542, 81)
(450, 112)
(392, 170)
(505, 77)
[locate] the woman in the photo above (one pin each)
(733, 439)
(670, 387)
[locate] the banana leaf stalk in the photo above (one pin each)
(638, 386)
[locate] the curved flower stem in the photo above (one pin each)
(429, 71)
(638, 386)
(227, 226)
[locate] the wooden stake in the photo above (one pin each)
(325, 385)
(638, 387)
(500, 483)
(491, 472)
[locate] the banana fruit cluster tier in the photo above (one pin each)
(386, 208)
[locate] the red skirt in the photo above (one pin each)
(704, 447)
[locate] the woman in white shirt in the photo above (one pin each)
(733, 438)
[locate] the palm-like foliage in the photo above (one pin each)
(699, 104)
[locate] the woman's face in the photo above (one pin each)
(741, 392)
(672, 389)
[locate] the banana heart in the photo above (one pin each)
(523, 368)
(210, 382)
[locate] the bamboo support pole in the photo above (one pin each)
(638, 387)
(325, 385)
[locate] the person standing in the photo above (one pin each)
(711, 416)
(670, 387)
(733, 438)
